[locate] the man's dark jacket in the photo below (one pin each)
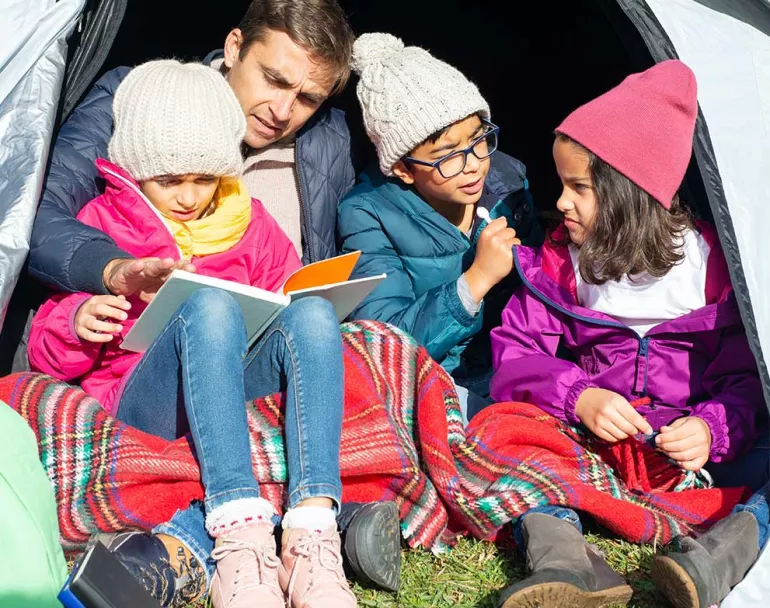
(68, 255)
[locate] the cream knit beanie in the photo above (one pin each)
(407, 95)
(176, 119)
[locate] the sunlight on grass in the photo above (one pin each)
(473, 573)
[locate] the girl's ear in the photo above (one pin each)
(403, 173)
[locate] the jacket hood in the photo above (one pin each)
(550, 275)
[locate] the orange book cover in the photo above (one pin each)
(327, 272)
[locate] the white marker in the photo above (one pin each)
(483, 214)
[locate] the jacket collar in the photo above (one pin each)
(128, 201)
(506, 175)
(549, 274)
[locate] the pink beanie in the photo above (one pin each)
(643, 128)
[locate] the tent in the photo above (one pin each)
(50, 51)
(516, 51)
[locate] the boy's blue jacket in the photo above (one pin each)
(423, 255)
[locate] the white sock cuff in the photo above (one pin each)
(237, 514)
(309, 518)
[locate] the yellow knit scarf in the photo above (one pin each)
(221, 229)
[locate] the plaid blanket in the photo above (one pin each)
(402, 439)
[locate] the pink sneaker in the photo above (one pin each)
(247, 570)
(311, 572)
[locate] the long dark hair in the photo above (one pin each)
(631, 231)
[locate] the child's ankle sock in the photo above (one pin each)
(309, 518)
(237, 514)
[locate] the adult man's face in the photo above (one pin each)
(278, 84)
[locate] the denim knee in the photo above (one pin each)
(214, 308)
(311, 319)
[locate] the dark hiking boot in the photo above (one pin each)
(702, 574)
(371, 542)
(565, 570)
(162, 564)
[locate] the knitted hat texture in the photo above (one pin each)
(643, 128)
(407, 95)
(176, 119)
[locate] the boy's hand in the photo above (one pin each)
(91, 319)
(494, 258)
(686, 440)
(609, 416)
(142, 277)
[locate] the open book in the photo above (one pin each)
(329, 279)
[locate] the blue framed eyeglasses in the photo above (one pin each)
(454, 163)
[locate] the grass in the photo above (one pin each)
(473, 573)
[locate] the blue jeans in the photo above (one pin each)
(564, 513)
(751, 469)
(198, 373)
(757, 505)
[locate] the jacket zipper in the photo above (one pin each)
(304, 214)
(642, 357)
(149, 204)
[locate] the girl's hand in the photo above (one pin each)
(609, 416)
(686, 440)
(91, 319)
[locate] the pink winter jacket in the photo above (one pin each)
(264, 258)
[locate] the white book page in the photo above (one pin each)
(343, 296)
(259, 307)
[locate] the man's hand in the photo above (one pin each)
(142, 277)
(609, 416)
(494, 258)
(94, 320)
(686, 440)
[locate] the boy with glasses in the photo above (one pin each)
(417, 218)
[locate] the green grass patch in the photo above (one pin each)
(473, 573)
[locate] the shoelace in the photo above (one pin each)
(318, 550)
(265, 563)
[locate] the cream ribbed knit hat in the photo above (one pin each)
(407, 95)
(177, 119)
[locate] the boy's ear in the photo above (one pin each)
(402, 172)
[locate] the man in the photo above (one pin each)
(285, 58)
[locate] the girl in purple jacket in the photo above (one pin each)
(639, 297)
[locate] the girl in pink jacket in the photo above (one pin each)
(173, 192)
(639, 297)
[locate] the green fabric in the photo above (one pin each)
(32, 564)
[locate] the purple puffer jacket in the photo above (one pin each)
(699, 364)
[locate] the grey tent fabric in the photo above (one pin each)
(727, 44)
(33, 53)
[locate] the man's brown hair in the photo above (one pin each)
(318, 26)
(631, 231)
